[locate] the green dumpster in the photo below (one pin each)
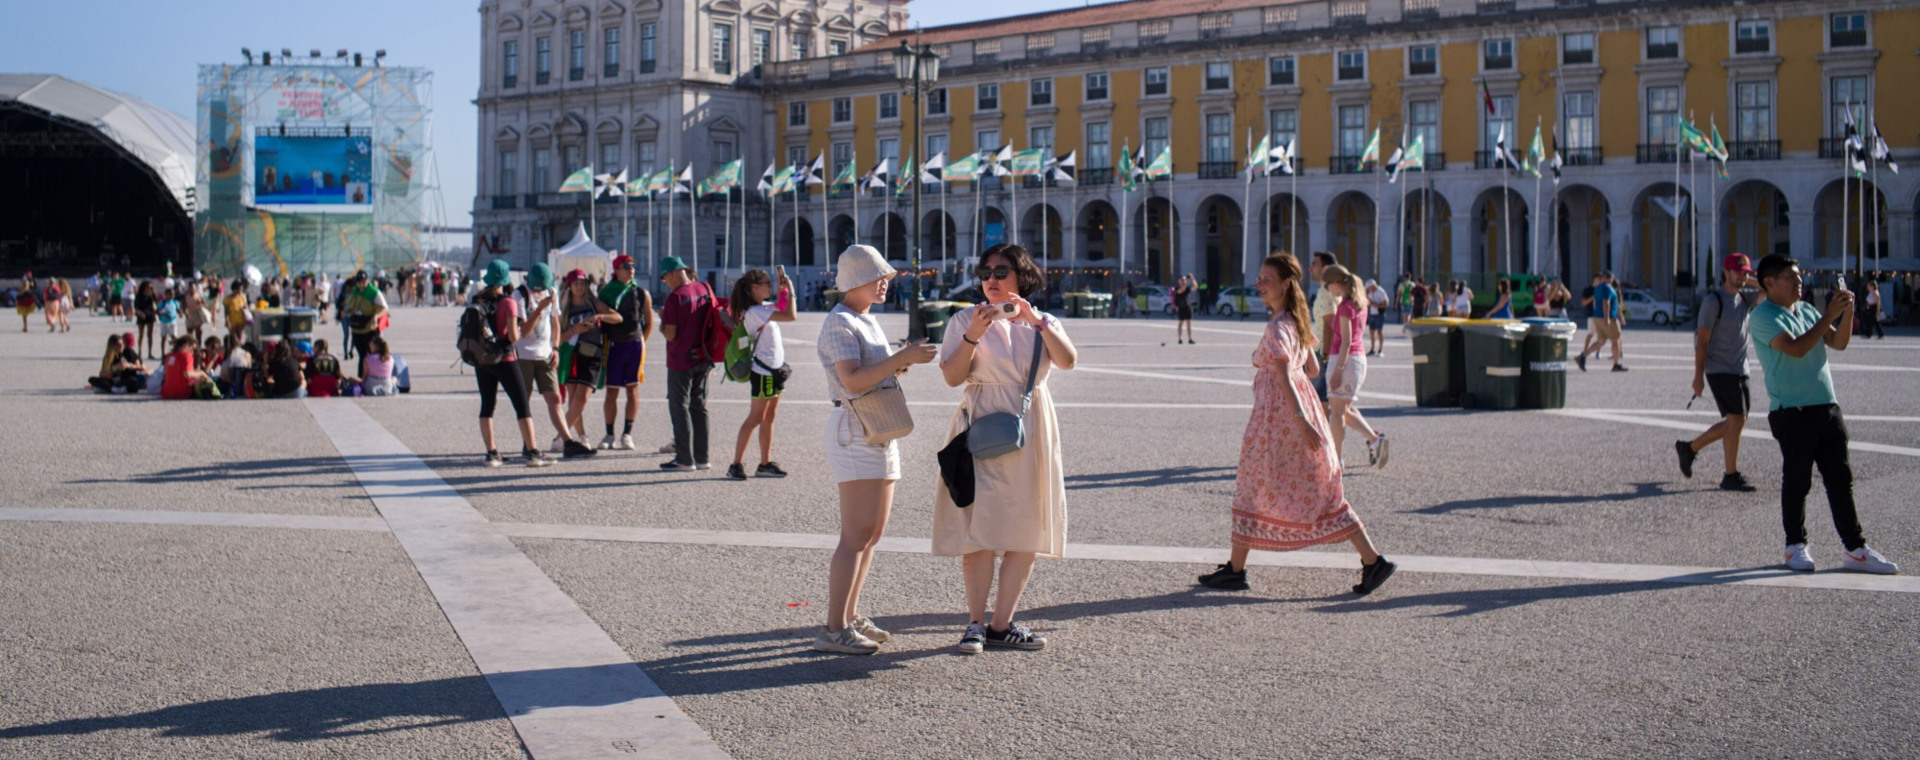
(1437, 376)
(933, 314)
(1543, 378)
(1075, 304)
(1099, 305)
(1492, 356)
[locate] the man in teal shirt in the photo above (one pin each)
(1791, 338)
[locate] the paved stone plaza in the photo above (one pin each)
(343, 577)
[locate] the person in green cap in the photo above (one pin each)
(626, 342)
(501, 311)
(362, 307)
(682, 320)
(534, 352)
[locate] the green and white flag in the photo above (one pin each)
(1162, 165)
(906, 178)
(783, 180)
(1536, 153)
(1371, 152)
(1694, 139)
(1416, 155)
(1257, 158)
(725, 178)
(844, 178)
(1124, 169)
(963, 169)
(1027, 163)
(578, 182)
(1719, 152)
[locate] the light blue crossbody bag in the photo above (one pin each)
(1002, 433)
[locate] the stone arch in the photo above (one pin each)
(1753, 216)
(890, 234)
(796, 243)
(1096, 239)
(1351, 231)
(1831, 231)
(1040, 233)
(1287, 215)
(991, 229)
(1501, 228)
(1220, 237)
(1426, 234)
(843, 232)
(1662, 243)
(940, 240)
(1148, 224)
(1583, 234)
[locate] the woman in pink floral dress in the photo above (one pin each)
(1288, 494)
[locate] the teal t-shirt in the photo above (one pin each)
(1791, 382)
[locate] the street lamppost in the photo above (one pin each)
(918, 70)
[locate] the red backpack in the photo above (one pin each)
(717, 330)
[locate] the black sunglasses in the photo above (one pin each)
(994, 273)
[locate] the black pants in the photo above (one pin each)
(1810, 436)
(687, 407)
(1870, 323)
(502, 376)
(362, 344)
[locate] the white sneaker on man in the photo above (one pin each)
(626, 442)
(608, 442)
(1798, 558)
(1866, 560)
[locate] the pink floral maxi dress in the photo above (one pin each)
(1287, 494)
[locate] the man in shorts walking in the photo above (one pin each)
(1720, 365)
(1791, 339)
(626, 348)
(1603, 323)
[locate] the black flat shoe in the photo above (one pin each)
(1225, 577)
(1374, 576)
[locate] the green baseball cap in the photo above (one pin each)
(540, 277)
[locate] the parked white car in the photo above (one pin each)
(1641, 305)
(1158, 299)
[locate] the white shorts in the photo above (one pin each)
(1352, 372)
(849, 454)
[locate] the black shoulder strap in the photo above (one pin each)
(1033, 370)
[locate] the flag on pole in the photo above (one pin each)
(935, 168)
(1162, 166)
(1416, 155)
(1062, 169)
(1536, 153)
(766, 182)
(724, 178)
(817, 172)
(1694, 139)
(1394, 164)
(844, 178)
(1371, 152)
(1257, 158)
(683, 184)
(880, 177)
(963, 169)
(610, 184)
(1500, 148)
(783, 181)
(644, 187)
(906, 178)
(578, 182)
(1029, 163)
(1000, 160)
(1124, 169)
(1555, 162)
(1486, 95)
(1719, 149)
(1881, 152)
(1280, 159)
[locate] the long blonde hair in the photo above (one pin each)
(1339, 275)
(1286, 267)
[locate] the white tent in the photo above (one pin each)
(580, 253)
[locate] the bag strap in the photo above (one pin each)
(1033, 370)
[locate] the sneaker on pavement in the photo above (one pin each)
(702, 466)
(1866, 560)
(559, 444)
(1225, 577)
(844, 641)
(1619, 367)
(1798, 558)
(575, 449)
(1582, 361)
(675, 465)
(1374, 576)
(864, 625)
(1377, 451)
(974, 640)
(1687, 455)
(770, 470)
(736, 472)
(1734, 481)
(608, 442)
(536, 458)
(493, 459)
(626, 442)
(1015, 637)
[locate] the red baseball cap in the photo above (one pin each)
(622, 260)
(1737, 262)
(577, 274)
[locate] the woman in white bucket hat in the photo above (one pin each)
(856, 354)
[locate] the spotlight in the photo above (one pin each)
(286, 53)
(342, 53)
(314, 53)
(356, 61)
(247, 54)
(266, 58)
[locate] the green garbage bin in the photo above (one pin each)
(1492, 352)
(1099, 305)
(1543, 378)
(1075, 303)
(1437, 376)
(934, 315)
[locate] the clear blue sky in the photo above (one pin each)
(153, 50)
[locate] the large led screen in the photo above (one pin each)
(313, 171)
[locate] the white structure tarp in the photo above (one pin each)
(160, 138)
(580, 253)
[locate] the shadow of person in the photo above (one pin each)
(1477, 601)
(1640, 491)
(1171, 476)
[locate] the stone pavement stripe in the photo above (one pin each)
(1592, 414)
(569, 690)
(1711, 415)
(1522, 568)
(214, 519)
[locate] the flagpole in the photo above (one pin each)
(693, 225)
(1506, 216)
(1693, 220)
(1014, 204)
(1046, 227)
(1246, 204)
(626, 224)
(1533, 231)
(1293, 198)
(944, 219)
(673, 186)
(1878, 213)
(593, 219)
(1679, 151)
(1376, 211)
(1846, 189)
(1426, 220)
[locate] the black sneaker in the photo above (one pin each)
(1619, 367)
(493, 459)
(1687, 454)
(974, 640)
(1734, 481)
(769, 470)
(672, 465)
(573, 449)
(1374, 576)
(1015, 637)
(1225, 577)
(736, 472)
(1582, 361)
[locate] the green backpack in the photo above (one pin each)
(740, 348)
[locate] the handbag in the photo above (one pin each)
(1002, 433)
(956, 470)
(882, 413)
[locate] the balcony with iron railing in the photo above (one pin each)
(1347, 165)
(1494, 6)
(1034, 183)
(1419, 10)
(1487, 159)
(554, 200)
(1753, 150)
(1661, 153)
(1096, 176)
(1580, 157)
(1833, 147)
(1436, 161)
(1218, 169)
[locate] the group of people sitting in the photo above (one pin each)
(229, 369)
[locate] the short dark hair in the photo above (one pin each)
(1772, 265)
(1031, 280)
(1323, 258)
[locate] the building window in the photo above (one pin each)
(510, 64)
(610, 51)
(646, 155)
(1663, 42)
(542, 179)
(1096, 87)
(1576, 48)
(1423, 60)
(986, 51)
(723, 48)
(1040, 138)
(1155, 81)
(542, 59)
(1040, 93)
(1496, 55)
(576, 55)
(1845, 93)
(842, 110)
(1095, 40)
(797, 156)
(572, 158)
(1663, 115)
(889, 105)
(801, 50)
(1353, 131)
(1847, 30)
(1284, 123)
(1353, 65)
(1280, 71)
(609, 156)
(1156, 136)
(987, 139)
(509, 172)
(1501, 121)
(1753, 37)
(796, 114)
(937, 101)
(1753, 121)
(836, 47)
(889, 148)
(842, 155)
(1220, 138)
(1219, 76)
(936, 145)
(986, 97)
(762, 45)
(1155, 32)
(649, 39)
(1423, 122)
(1581, 132)
(1099, 145)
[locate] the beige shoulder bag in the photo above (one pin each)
(882, 412)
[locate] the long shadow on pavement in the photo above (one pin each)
(1640, 491)
(1171, 476)
(1465, 603)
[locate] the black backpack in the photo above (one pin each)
(479, 344)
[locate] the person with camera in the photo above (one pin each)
(499, 308)
(768, 376)
(1017, 510)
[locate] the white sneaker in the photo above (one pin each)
(1799, 559)
(559, 444)
(607, 442)
(1377, 451)
(1866, 560)
(626, 442)
(865, 626)
(846, 641)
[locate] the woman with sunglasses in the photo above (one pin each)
(1019, 509)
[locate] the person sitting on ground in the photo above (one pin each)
(183, 380)
(242, 358)
(283, 373)
(120, 367)
(379, 364)
(210, 355)
(323, 372)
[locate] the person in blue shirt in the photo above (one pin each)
(1603, 322)
(1791, 338)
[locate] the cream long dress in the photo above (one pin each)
(1020, 499)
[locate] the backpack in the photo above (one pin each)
(739, 355)
(717, 332)
(478, 343)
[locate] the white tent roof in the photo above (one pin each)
(160, 138)
(581, 245)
